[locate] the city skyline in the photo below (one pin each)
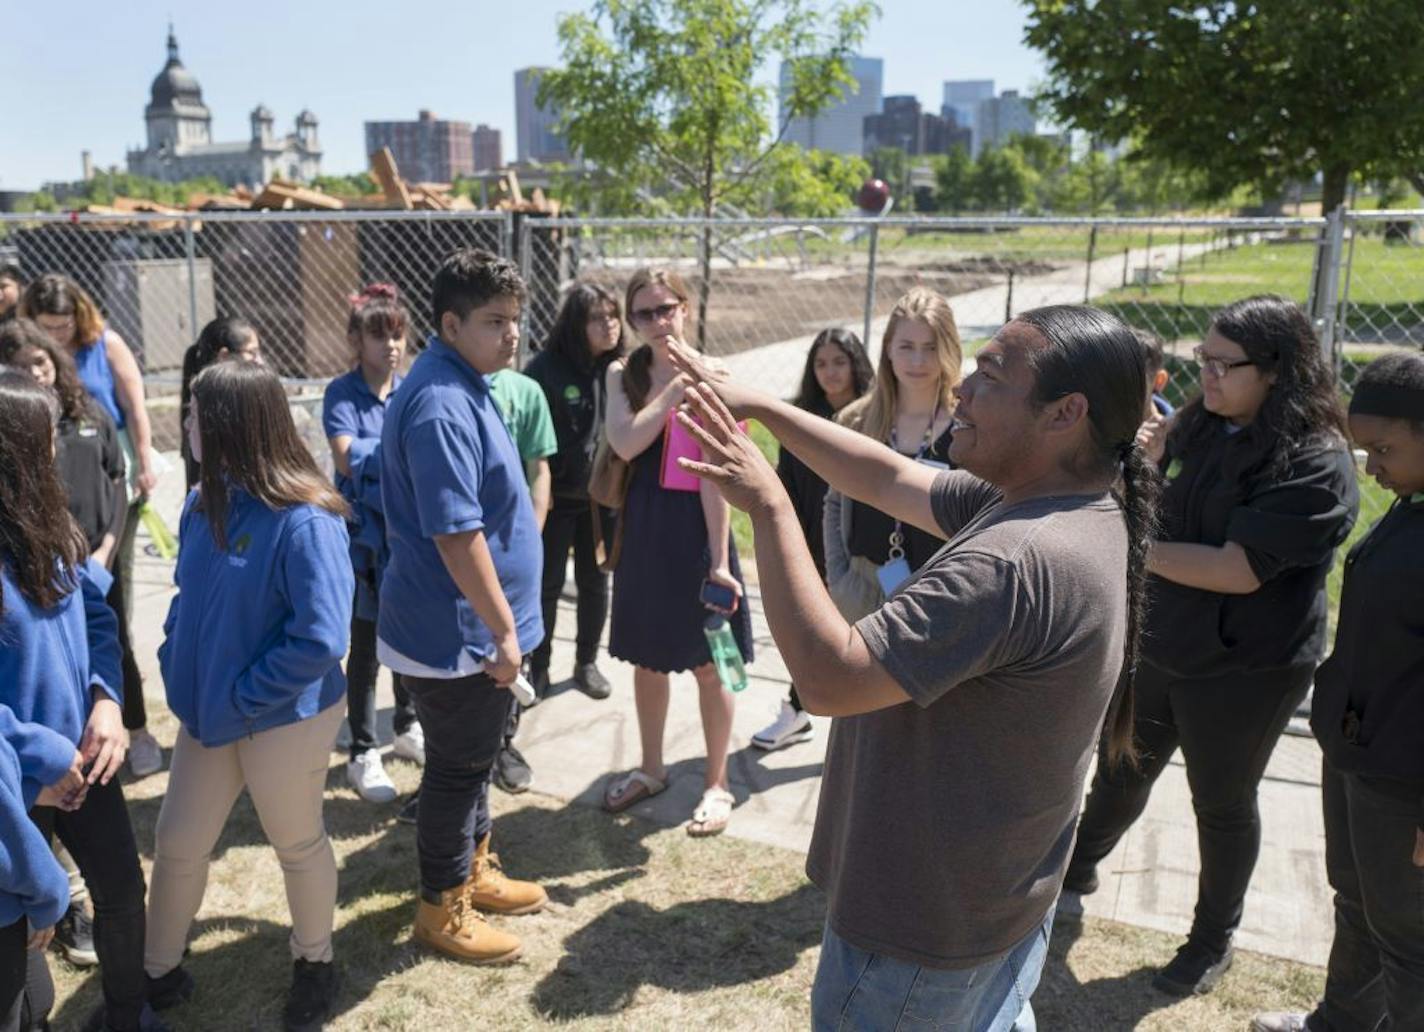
(348, 65)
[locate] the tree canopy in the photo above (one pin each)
(663, 94)
(1243, 93)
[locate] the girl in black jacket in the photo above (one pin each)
(1368, 714)
(1260, 492)
(587, 336)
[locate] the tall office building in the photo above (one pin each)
(428, 150)
(962, 98)
(840, 127)
(904, 124)
(1001, 118)
(534, 135)
(488, 148)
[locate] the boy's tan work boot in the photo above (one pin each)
(490, 890)
(455, 928)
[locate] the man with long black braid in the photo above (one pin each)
(969, 706)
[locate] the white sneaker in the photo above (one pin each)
(410, 745)
(369, 778)
(790, 726)
(1280, 1021)
(145, 756)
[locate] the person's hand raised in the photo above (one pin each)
(731, 460)
(703, 369)
(1152, 436)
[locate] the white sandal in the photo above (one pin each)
(631, 789)
(712, 814)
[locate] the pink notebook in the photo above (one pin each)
(679, 444)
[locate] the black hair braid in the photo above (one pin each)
(1141, 485)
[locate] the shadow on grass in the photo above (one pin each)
(688, 947)
(1063, 1001)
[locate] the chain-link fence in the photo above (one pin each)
(764, 288)
(158, 278)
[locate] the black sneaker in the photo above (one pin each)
(1196, 969)
(74, 937)
(591, 682)
(1084, 883)
(171, 989)
(409, 810)
(313, 993)
(511, 770)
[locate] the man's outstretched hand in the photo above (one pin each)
(730, 459)
(699, 368)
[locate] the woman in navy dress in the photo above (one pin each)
(673, 540)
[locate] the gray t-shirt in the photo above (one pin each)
(945, 824)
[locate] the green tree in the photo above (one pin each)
(358, 185)
(953, 177)
(805, 184)
(1256, 93)
(663, 94)
(1003, 181)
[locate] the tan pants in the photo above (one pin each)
(285, 773)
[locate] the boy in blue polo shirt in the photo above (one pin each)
(459, 599)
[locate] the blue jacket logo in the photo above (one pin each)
(238, 550)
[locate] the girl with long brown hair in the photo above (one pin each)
(60, 696)
(675, 541)
(109, 372)
(251, 660)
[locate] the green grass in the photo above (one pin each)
(647, 928)
(1386, 288)
(1045, 243)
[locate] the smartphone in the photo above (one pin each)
(522, 690)
(718, 597)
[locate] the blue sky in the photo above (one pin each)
(85, 87)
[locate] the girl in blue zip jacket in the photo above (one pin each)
(60, 711)
(34, 889)
(251, 660)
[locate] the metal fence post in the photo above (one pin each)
(870, 280)
(526, 271)
(1325, 285)
(1088, 271)
(190, 252)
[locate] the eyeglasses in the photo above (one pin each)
(1217, 367)
(661, 313)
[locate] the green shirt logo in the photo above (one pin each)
(572, 394)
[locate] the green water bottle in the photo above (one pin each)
(725, 654)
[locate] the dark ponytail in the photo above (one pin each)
(226, 333)
(1089, 352)
(1141, 485)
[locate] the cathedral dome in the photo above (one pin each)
(175, 85)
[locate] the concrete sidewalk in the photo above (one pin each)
(573, 744)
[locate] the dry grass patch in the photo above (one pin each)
(647, 929)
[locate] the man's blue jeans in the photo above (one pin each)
(856, 991)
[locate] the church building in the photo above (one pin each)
(180, 143)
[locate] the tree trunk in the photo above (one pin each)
(1336, 183)
(704, 286)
